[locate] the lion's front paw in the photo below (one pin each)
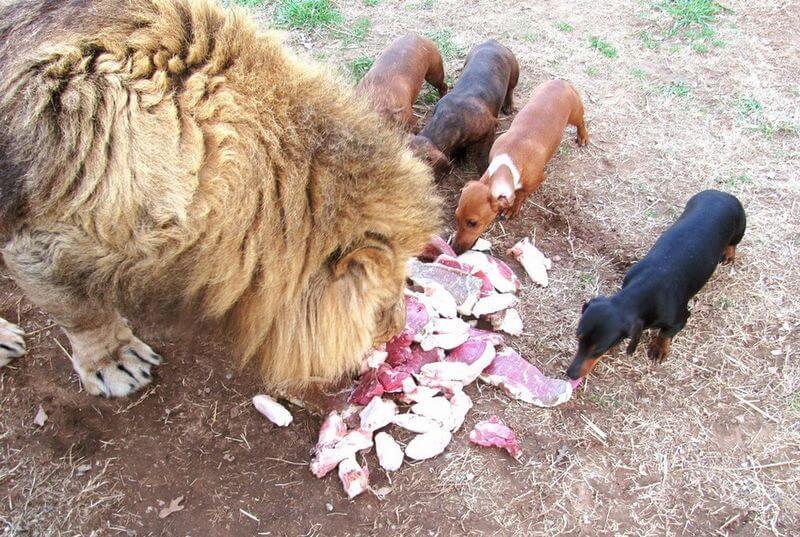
(124, 375)
(12, 342)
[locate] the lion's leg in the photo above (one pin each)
(12, 342)
(109, 359)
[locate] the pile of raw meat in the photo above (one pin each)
(416, 381)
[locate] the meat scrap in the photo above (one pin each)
(532, 260)
(428, 445)
(493, 432)
(377, 414)
(329, 456)
(521, 380)
(499, 274)
(494, 303)
(333, 429)
(390, 455)
(464, 287)
(416, 423)
(460, 405)
(368, 387)
(507, 321)
(354, 478)
(436, 247)
(273, 410)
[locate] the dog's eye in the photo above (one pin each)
(471, 223)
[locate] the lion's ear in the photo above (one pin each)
(361, 259)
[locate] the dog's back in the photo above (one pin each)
(685, 256)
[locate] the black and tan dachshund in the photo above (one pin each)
(656, 291)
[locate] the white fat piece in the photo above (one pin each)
(502, 190)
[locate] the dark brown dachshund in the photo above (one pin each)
(395, 79)
(467, 116)
(518, 158)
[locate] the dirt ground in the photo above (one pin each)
(708, 443)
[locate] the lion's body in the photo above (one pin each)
(163, 156)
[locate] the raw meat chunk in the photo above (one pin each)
(273, 410)
(532, 260)
(522, 380)
(494, 432)
(354, 478)
(390, 455)
(428, 445)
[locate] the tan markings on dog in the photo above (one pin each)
(180, 164)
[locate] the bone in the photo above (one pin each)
(499, 274)
(494, 303)
(443, 341)
(482, 245)
(460, 405)
(494, 432)
(377, 414)
(522, 380)
(333, 429)
(532, 260)
(436, 408)
(354, 478)
(327, 458)
(416, 423)
(428, 445)
(390, 455)
(272, 410)
(507, 321)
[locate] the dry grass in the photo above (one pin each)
(708, 443)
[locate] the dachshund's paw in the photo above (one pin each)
(729, 255)
(658, 349)
(12, 342)
(128, 372)
(582, 140)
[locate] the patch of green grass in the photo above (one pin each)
(307, 14)
(770, 128)
(638, 74)
(247, 3)
(650, 213)
(724, 303)
(691, 13)
(429, 94)
(358, 31)
(677, 88)
(648, 41)
(565, 26)
(444, 40)
(748, 105)
(360, 66)
(530, 38)
(588, 278)
(692, 21)
(735, 182)
(603, 400)
(603, 46)
(370, 3)
(592, 70)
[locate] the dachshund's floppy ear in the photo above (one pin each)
(635, 333)
(500, 203)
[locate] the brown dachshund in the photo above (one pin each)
(395, 79)
(518, 158)
(467, 116)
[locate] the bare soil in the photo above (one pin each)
(708, 443)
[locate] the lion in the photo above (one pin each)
(163, 158)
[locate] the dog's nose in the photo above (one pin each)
(574, 370)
